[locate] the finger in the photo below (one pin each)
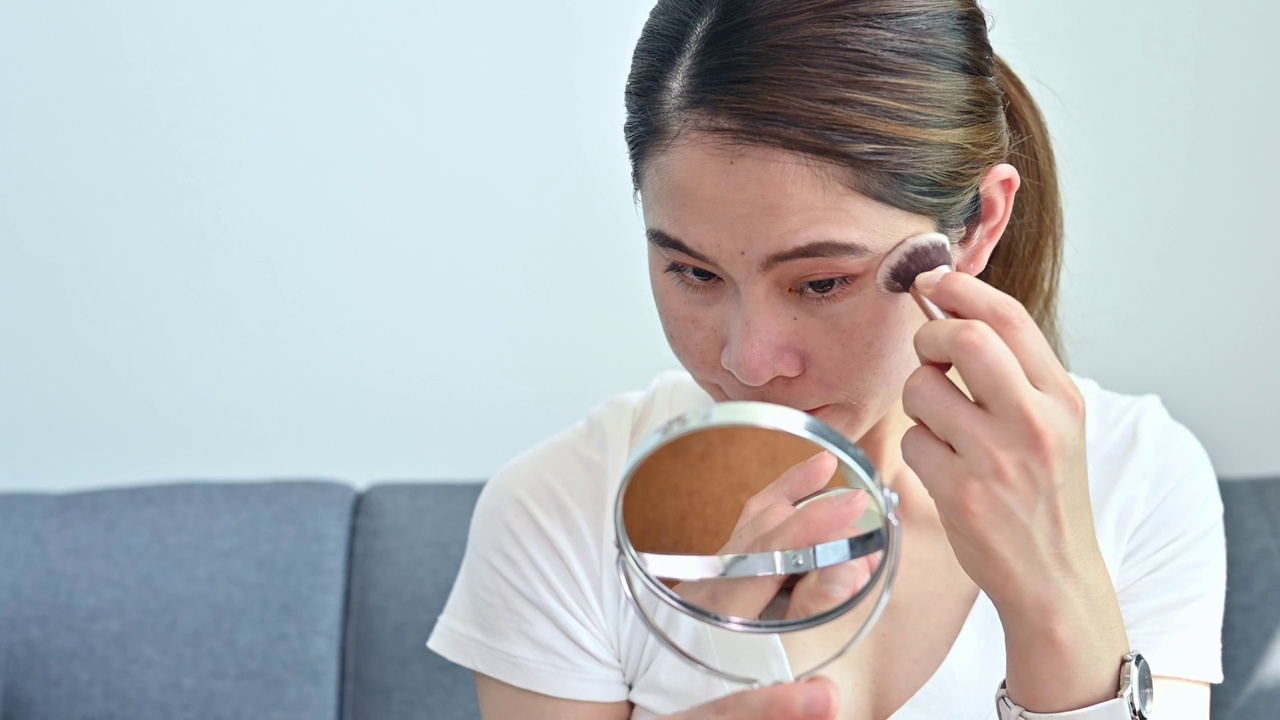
(824, 519)
(965, 296)
(798, 482)
(744, 598)
(823, 590)
(814, 699)
(932, 460)
(987, 366)
(827, 518)
(931, 399)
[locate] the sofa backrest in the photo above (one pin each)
(408, 545)
(193, 601)
(1251, 632)
(229, 600)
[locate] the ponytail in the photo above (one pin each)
(1027, 261)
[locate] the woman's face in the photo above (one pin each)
(764, 272)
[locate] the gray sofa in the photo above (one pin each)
(312, 601)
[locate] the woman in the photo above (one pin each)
(780, 148)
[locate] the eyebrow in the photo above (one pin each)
(818, 249)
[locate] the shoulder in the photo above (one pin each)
(1158, 518)
(1147, 470)
(534, 603)
(1135, 435)
(574, 474)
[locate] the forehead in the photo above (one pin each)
(756, 200)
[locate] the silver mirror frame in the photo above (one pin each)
(771, 417)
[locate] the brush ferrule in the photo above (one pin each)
(931, 311)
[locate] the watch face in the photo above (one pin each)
(1144, 694)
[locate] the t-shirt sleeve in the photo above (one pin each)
(527, 607)
(1171, 582)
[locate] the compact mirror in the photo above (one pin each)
(744, 552)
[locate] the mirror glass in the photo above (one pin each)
(755, 540)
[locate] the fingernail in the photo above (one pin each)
(927, 281)
(819, 457)
(816, 701)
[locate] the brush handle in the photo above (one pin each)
(931, 311)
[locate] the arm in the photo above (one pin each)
(498, 701)
(1015, 451)
(1006, 466)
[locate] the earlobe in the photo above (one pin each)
(997, 190)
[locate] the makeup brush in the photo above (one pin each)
(907, 260)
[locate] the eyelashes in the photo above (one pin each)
(692, 278)
(826, 290)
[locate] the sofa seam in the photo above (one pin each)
(346, 641)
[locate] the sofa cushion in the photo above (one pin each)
(20, 517)
(407, 547)
(171, 602)
(1251, 635)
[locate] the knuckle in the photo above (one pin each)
(1027, 415)
(753, 507)
(911, 391)
(1042, 440)
(912, 443)
(972, 336)
(1039, 433)
(761, 525)
(923, 336)
(1009, 312)
(1073, 400)
(917, 382)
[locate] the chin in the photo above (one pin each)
(849, 422)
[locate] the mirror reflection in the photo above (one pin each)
(753, 519)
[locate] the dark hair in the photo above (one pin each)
(904, 98)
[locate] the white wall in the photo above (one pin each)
(396, 240)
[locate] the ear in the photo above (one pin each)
(997, 190)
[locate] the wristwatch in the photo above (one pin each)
(1133, 702)
(1136, 687)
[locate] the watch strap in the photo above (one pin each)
(1113, 709)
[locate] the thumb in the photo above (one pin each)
(813, 699)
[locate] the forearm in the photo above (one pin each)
(1065, 653)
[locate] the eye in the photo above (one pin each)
(692, 278)
(822, 287)
(826, 289)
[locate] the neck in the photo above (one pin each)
(883, 446)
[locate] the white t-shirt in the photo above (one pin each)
(537, 603)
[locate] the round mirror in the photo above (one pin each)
(755, 540)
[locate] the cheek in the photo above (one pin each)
(872, 347)
(693, 336)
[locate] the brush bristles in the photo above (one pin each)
(915, 255)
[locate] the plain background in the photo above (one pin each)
(397, 239)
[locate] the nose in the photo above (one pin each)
(758, 348)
